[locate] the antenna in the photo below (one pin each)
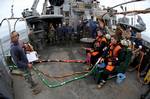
(122, 8)
(12, 13)
(125, 8)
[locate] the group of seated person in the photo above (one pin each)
(115, 52)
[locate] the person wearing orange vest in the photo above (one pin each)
(116, 55)
(94, 50)
(100, 44)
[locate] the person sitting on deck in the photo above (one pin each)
(31, 54)
(95, 46)
(27, 47)
(100, 45)
(119, 33)
(137, 47)
(112, 61)
(129, 48)
(128, 39)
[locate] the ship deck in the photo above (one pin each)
(81, 89)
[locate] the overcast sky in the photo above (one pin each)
(19, 5)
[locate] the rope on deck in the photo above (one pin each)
(63, 76)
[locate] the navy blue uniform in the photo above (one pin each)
(138, 42)
(18, 55)
(21, 61)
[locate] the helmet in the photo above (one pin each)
(124, 42)
(107, 36)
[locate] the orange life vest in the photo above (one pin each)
(94, 53)
(110, 67)
(100, 40)
(114, 51)
(104, 40)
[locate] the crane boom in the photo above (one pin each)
(34, 6)
(44, 7)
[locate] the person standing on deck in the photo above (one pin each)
(59, 33)
(51, 34)
(93, 27)
(79, 30)
(64, 32)
(20, 59)
(70, 32)
(102, 26)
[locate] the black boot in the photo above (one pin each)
(33, 84)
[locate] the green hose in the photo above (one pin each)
(50, 85)
(47, 83)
